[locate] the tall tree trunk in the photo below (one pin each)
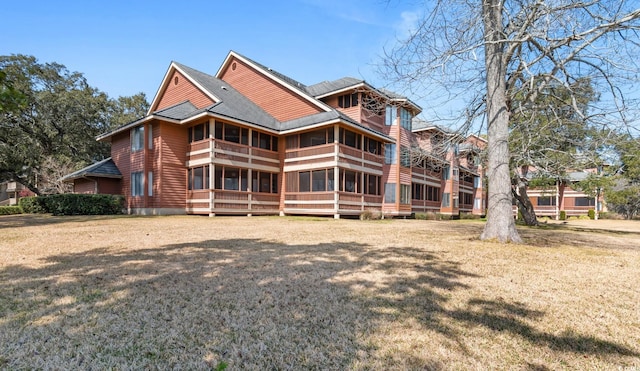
(500, 224)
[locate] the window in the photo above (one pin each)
(478, 203)
(348, 100)
(316, 138)
(446, 172)
(199, 132)
(390, 153)
(405, 118)
(349, 181)
(150, 137)
(349, 138)
(150, 183)
(390, 115)
(231, 133)
(264, 141)
(467, 198)
(405, 194)
(372, 146)
(315, 181)
(405, 157)
(371, 184)
(446, 199)
(476, 182)
(198, 178)
(585, 201)
(137, 184)
(230, 178)
(417, 191)
(433, 193)
(390, 192)
(137, 138)
(264, 182)
(546, 201)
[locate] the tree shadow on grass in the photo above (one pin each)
(248, 303)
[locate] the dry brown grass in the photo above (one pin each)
(303, 293)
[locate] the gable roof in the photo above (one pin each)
(230, 103)
(103, 169)
(282, 79)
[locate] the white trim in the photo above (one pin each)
(320, 165)
(166, 81)
(350, 87)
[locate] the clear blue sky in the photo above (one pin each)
(125, 47)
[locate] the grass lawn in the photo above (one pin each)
(188, 292)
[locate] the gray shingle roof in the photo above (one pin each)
(179, 111)
(103, 169)
(326, 87)
(232, 104)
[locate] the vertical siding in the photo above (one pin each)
(278, 101)
(169, 165)
(183, 90)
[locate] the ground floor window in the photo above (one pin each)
(198, 178)
(546, 201)
(310, 181)
(467, 198)
(231, 178)
(390, 192)
(264, 182)
(137, 184)
(371, 184)
(585, 201)
(349, 181)
(425, 192)
(446, 199)
(405, 194)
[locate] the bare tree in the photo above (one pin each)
(489, 51)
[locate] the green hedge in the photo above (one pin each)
(10, 210)
(74, 204)
(32, 205)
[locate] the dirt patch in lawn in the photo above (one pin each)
(298, 293)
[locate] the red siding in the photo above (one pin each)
(84, 186)
(180, 92)
(169, 166)
(278, 101)
(109, 186)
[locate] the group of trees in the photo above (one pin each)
(49, 119)
(546, 78)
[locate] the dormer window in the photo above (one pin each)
(348, 100)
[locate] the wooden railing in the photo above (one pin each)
(310, 151)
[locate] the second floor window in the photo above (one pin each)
(199, 132)
(405, 118)
(231, 133)
(137, 138)
(390, 115)
(390, 153)
(348, 100)
(349, 138)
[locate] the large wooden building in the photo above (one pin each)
(249, 140)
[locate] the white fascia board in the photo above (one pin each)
(360, 85)
(125, 127)
(165, 81)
